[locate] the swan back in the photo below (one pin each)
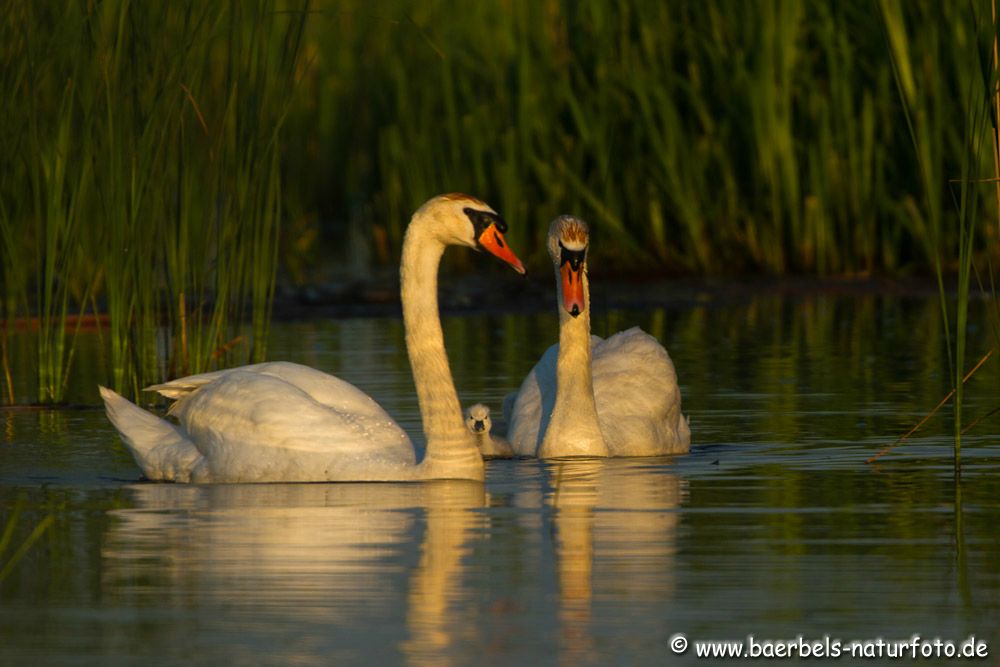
(258, 427)
(323, 388)
(637, 396)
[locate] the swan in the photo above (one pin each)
(477, 419)
(282, 421)
(594, 397)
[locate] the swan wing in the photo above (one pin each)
(638, 400)
(508, 406)
(323, 388)
(256, 426)
(526, 415)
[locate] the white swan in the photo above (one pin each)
(594, 397)
(285, 422)
(480, 424)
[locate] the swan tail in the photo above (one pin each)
(161, 449)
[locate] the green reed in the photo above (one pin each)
(972, 79)
(41, 225)
(706, 137)
(147, 147)
(713, 137)
(14, 299)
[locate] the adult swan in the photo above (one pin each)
(594, 397)
(284, 422)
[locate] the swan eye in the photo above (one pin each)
(575, 258)
(481, 220)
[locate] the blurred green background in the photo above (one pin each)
(170, 162)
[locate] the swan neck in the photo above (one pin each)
(451, 451)
(573, 369)
(574, 429)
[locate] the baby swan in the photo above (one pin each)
(477, 418)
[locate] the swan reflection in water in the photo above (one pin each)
(614, 524)
(296, 562)
(294, 572)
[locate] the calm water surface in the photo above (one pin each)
(773, 525)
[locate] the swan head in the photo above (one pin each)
(569, 239)
(461, 219)
(477, 418)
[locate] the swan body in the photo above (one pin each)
(480, 424)
(281, 421)
(593, 397)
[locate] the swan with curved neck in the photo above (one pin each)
(589, 397)
(281, 421)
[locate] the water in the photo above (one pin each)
(773, 525)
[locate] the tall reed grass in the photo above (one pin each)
(710, 137)
(162, 155)
(974, 85)
(144, 140)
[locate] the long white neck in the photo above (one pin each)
(573, 429)
(451, 450)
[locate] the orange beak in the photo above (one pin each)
(492, 240)
(572, 288)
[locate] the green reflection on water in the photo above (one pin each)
(773, 525)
